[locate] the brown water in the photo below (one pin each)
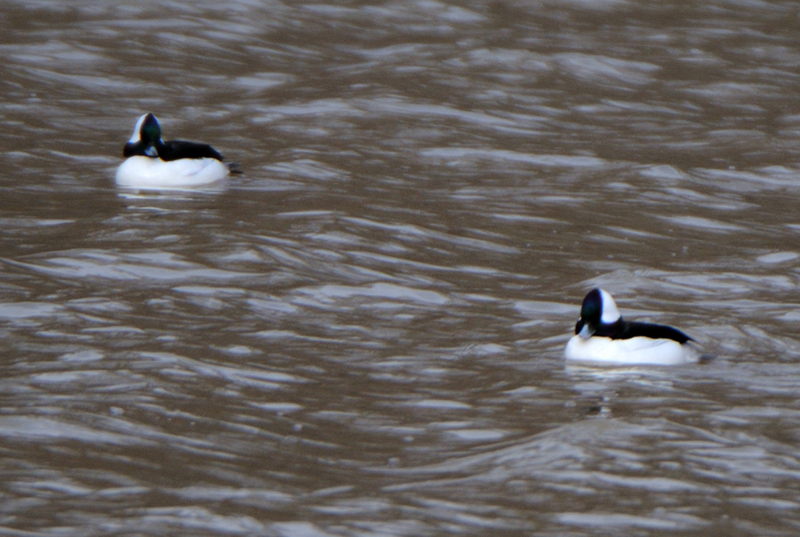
(363, 334)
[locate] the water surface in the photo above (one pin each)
(363, 334)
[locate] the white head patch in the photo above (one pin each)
(610, 313)
(136, 137)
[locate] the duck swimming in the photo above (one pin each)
(152, 163)
(603, 336)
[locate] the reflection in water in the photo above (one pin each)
(133, 195)
(364, 333)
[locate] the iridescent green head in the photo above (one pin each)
(146, 136)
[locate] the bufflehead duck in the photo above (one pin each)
(154, 164)
(601, 335)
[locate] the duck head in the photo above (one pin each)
(597, 311)
(145, 139)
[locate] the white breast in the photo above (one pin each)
(155, 174)
(637, 350)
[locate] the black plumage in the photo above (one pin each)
(150, 144)
(178, 149)
(623, 329)
(591, 317)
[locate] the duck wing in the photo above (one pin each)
(653, 331)
(178, 149)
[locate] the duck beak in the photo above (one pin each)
(583, 329)
(151, 151)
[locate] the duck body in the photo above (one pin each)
(633, 351)
(152, 163)
(603, 336)
(154, 173)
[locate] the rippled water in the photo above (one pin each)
(363, 334)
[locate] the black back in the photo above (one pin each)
(653, 331)
(626, 330)
(178, 149)
(171, 150)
